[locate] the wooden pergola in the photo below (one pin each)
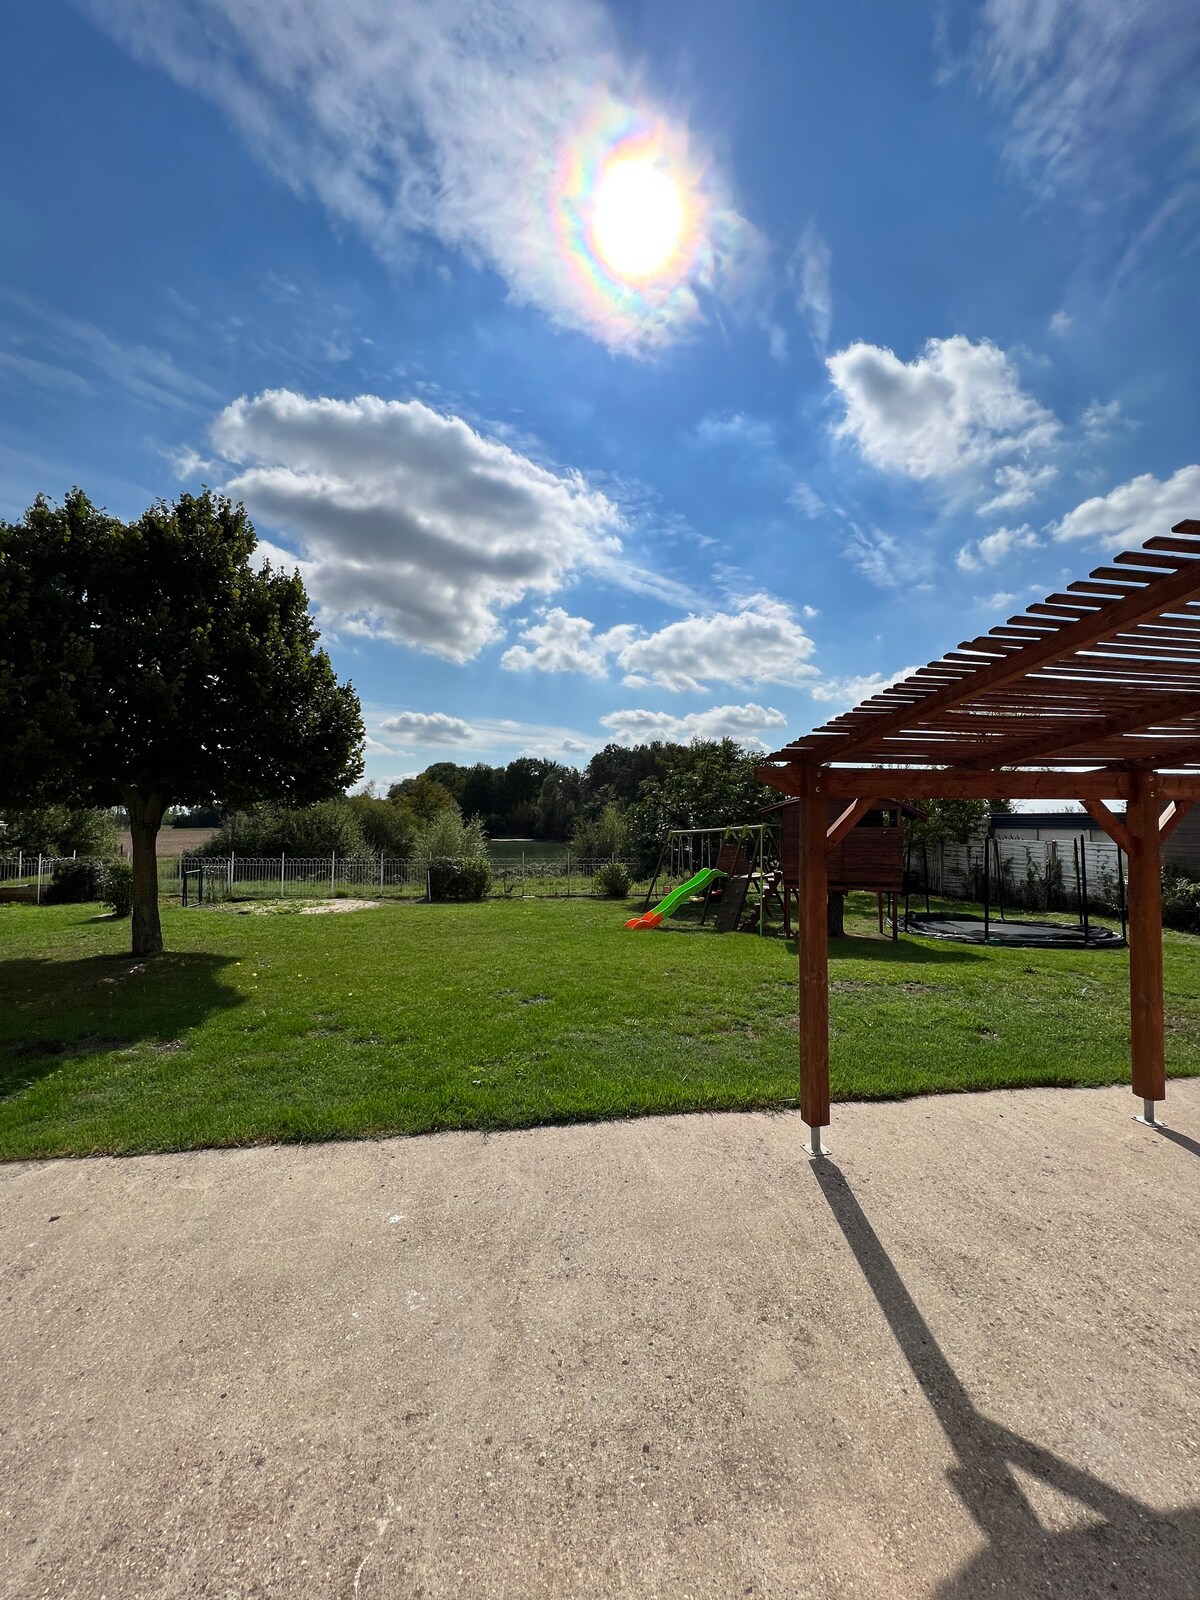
(1093, 694)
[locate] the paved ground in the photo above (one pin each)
(664, 1358)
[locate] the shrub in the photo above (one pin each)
(330, 828)
(466, 879)
(116, 888)
(75, 883)
(59, 831)
(389, 829)
(1180, 901)
(603, 837)
(612, 880)
(446, 837)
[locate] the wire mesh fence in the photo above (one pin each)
(382, 877)
(28, 876)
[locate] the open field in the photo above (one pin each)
(407, 1019)
(172, 842)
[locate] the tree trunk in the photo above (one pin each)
(145, 818)
(836, 916)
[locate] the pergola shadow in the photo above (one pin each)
(1126, 1547)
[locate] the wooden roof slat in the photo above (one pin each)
(1108, 669)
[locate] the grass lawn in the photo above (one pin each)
(407, 1019)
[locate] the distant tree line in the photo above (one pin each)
(618, 806)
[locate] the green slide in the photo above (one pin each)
(685, 890)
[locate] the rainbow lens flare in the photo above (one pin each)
(630, 214)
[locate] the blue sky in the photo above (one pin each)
(925, 345)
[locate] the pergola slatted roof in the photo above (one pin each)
(1103, 674)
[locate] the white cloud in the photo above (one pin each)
(64, 344)
(1134, 511)
(1017, 486)
(735, 428)
(563, 643)
(883, 560)
(955, 407)
(1000, 601)
(464, 121)
(427, 727)
(412, 525)
(805, 500)
(760, 642)
(808, 271)
(849, 691)
(1096, 92)
(746, 724)
(996, 547)
(1102, 419)
(1060, 324)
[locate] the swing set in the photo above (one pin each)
(742, 861)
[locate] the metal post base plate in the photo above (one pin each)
(1148, 1117)
(816, 1147)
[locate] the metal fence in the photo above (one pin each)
(28, 876)
(1036, 875)
(315, 877)
(375, 877)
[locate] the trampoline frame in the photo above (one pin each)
(1105, 939)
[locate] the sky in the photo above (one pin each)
(613, 372)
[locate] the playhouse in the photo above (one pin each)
(869, 856)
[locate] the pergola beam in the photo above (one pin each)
(850, 818)
(1112, 825)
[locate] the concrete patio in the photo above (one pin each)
(670, 1357)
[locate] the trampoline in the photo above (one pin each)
(967, 929)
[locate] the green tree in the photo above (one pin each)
(949, 821)
(602, 838)
(707, 784)
(330, 827)
(423, 796)
(558, 802)
(55, 830)
(150, 663)
(388, 829)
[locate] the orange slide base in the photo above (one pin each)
(650, 920)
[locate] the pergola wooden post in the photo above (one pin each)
(1093, 694)
(813, 940)
(1146, 1022)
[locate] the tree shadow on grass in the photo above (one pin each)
(1125, 1546)
(52, 1012)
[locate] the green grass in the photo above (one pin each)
(414, 1018)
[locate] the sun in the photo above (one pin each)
(638, 218)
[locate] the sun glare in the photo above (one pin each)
(638, 219)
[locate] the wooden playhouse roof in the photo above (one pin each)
(1103, 674)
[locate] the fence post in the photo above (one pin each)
(522, 874)
(429, 885)
(381, 872)
(39, 879)
(230, 877)
(281, 874)
(332, 861)
(20, 864)
(568, 874)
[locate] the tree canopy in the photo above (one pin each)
(150, 663)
